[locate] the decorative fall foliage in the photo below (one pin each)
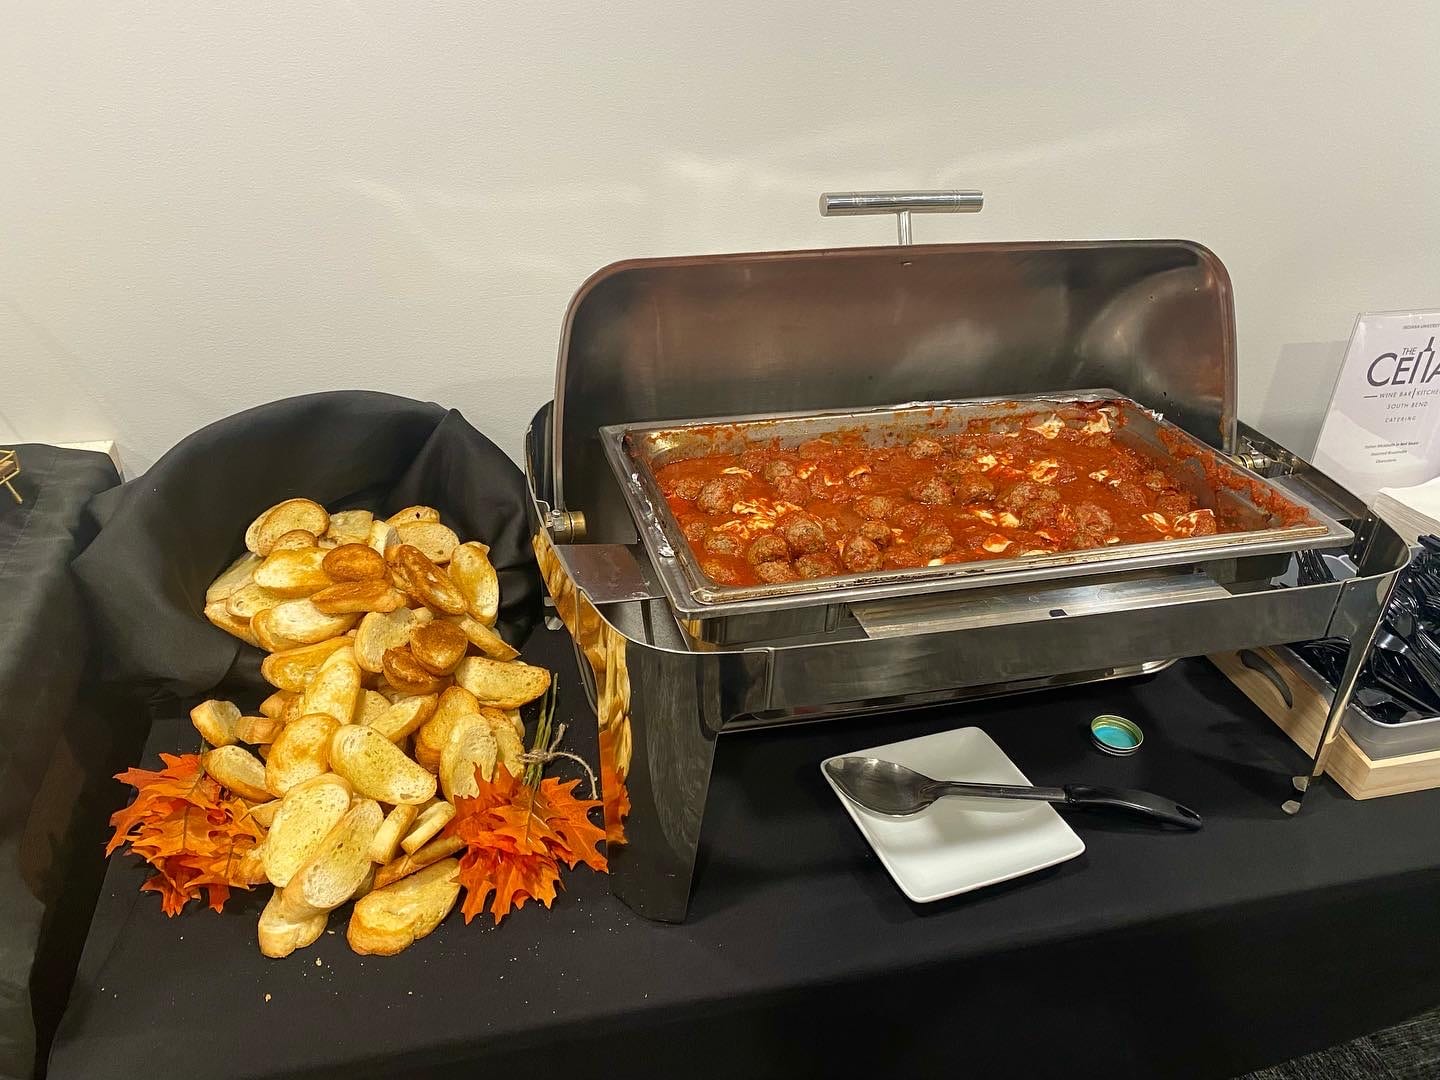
(186, 826)
(516, 837)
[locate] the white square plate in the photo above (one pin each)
(957, 845)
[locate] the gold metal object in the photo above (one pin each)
(9, 470)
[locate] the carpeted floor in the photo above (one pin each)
(1408, 1051)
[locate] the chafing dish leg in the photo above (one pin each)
(1354, 661)
(656, 749)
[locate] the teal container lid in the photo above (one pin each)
(1116, 735)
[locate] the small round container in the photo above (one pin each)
(1116, 735)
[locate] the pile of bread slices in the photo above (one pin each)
(392, 689)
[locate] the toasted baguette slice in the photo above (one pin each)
(216, 720)
(387, 841)
(506, 686)
(382, 537)
(239, 770)
(392, 919)
(435, 540)
(427, 582)
(282, 518)
(358, 596)
(413, 513)
(274, 705)
(339, 864)
(301, 752)
(510, 748)
(258, 729)
(305, 817)
(430, 740)
(428, 855)
(471, 745)
(299, 622)
(249, 600)
(234, 625)
(335, 689)
(439, 646)
(249, 868)
(293, 571)
(405, 716)
(473, 574)
(349, 526)
(408, 675)
(372, 705)
(235, 576)
(293, 669)
(381, 631)
(265, 812)
(483, 638)
(378, 768)
(427, 826)
(281, 934)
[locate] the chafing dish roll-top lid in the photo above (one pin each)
(668, 339)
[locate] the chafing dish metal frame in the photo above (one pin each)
(644, 341)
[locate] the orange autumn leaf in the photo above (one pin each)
(516, 837)
(188, 828)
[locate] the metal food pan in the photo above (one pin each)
(637, 451)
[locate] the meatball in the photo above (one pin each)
(1132, 493)
(813, 566)
(687, 488)
(901, 557)
(933, 492)
(862, 482)
(1155, 480)
(909, 515)
(859, 555)
(932, 543)
(767, 548)
(1092, 525)
(1037, 515)
(1097, 439)
(974, 487)
(876, 531)
(1027, 492)
(923, 448)
(802, 533)
(775, 571)
(775, 471)
(1172, 502)
(721, 543)
(719, 572)
(875, 506)
(752, 461)
(793, 490)
(717, 496)
(696, 530)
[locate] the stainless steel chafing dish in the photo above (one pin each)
(805, 341)
(730, 615)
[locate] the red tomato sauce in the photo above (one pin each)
(1029, 485)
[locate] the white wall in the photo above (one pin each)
(206, 205)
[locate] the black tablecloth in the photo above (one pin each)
(1153, 954)
(55, 750)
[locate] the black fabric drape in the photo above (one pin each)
(51, 766)
(1153, 954)
(165, 536)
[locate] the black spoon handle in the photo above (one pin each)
(1142, 803)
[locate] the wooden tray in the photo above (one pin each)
(1303, 718)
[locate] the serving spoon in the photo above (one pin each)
(888, 788)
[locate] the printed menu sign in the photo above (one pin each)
(1383, 426)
